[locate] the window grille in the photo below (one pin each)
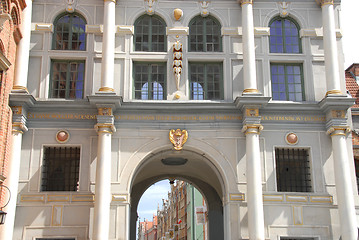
(205, 35)
(60, 169)
(67, 79)
(284, 36)
(287, 82)
(206, 81)
(149, 81)
(293, 170)
(150, 34)
(69, 33)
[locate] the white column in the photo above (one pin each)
(249, 57)
(254, 182)
(346, 206)
(330, 48)
(23, 48)
(108, 47)
(12, 180)
(103, 183)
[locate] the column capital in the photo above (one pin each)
(242, 2)
(105, 120)
(18, 119)
(110, 1)
(338, 130)
(325, 2)
(105, 128)
(252, 129)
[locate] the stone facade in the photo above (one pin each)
(109, 96)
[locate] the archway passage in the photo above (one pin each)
(190, 167)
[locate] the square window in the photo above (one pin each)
(67, 79)
(293, 170)
(149, 81)
(287, 82)
(60, 169)
(206, 81)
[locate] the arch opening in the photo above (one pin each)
(191, 167)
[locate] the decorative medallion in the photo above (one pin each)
(177, 13)
(338, 113)
(62, 136)
(16, 110)
(178, 138)
(105, 111)
(291, 138)
(204, 8)
(283, 9)
(150, 6)
(252, 112)
(177, 62)
(71, 4)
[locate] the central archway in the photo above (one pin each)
(190, 167)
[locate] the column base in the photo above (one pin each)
(19, 89)
(334, 92)
(106, 89)
(251, 91)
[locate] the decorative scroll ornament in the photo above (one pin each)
(177, 62)
(178, 138)
(204, 8)
(284, 8)
(71, 4)
(150, 6)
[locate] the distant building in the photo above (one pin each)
(147, 230)
(183, 216)
(352, 85)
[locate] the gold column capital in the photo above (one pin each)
(250, 90)
(252, 129)
(242, 2)
(338, 131)
(325, 2)
(110, 1)
(105, 128)
(18, 127)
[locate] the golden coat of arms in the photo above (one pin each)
(178, 138)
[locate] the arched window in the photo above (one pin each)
(205, 35)
(14, 16)
(150, 34)
(4, 6)
(284, 36)
(69, 32)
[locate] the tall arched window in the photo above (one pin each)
(69, 32)
(205, 35)
(150, 34)
(284, 36)
(14, 16)
(4, 6)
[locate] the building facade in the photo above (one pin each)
(245, 100)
